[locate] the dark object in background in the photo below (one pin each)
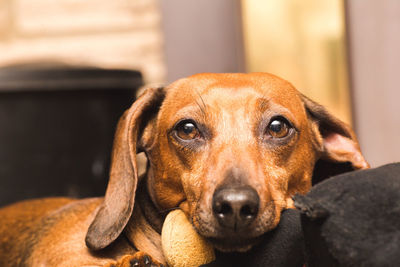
(56, 128)
(353, 219)
(282, 247)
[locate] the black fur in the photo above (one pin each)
(353, 219)
(282, 247)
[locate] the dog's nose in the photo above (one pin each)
(236, 207)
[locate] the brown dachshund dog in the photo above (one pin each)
(230, 150)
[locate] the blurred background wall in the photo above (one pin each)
(109, 34)
(202, 36)
(343, 54)
(374, 42)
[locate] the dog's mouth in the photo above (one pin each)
(232, 244)
(227, 240)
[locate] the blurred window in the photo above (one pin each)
(302, 41)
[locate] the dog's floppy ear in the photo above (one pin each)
(336, 141)
(117, 206)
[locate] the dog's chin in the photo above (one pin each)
(233, 245)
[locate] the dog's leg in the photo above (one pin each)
(139, 259)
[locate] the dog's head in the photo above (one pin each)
(229, 149)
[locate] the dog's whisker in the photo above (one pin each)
(203, 109)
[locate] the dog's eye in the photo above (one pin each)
(278, 128)
(187, 130)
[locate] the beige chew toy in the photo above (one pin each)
(182, 245)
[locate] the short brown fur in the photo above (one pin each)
(233, 111)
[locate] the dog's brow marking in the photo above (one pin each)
(264, 102)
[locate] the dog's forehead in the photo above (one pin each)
(229, 88)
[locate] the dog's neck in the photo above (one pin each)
(153, 215)
(144, 228)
